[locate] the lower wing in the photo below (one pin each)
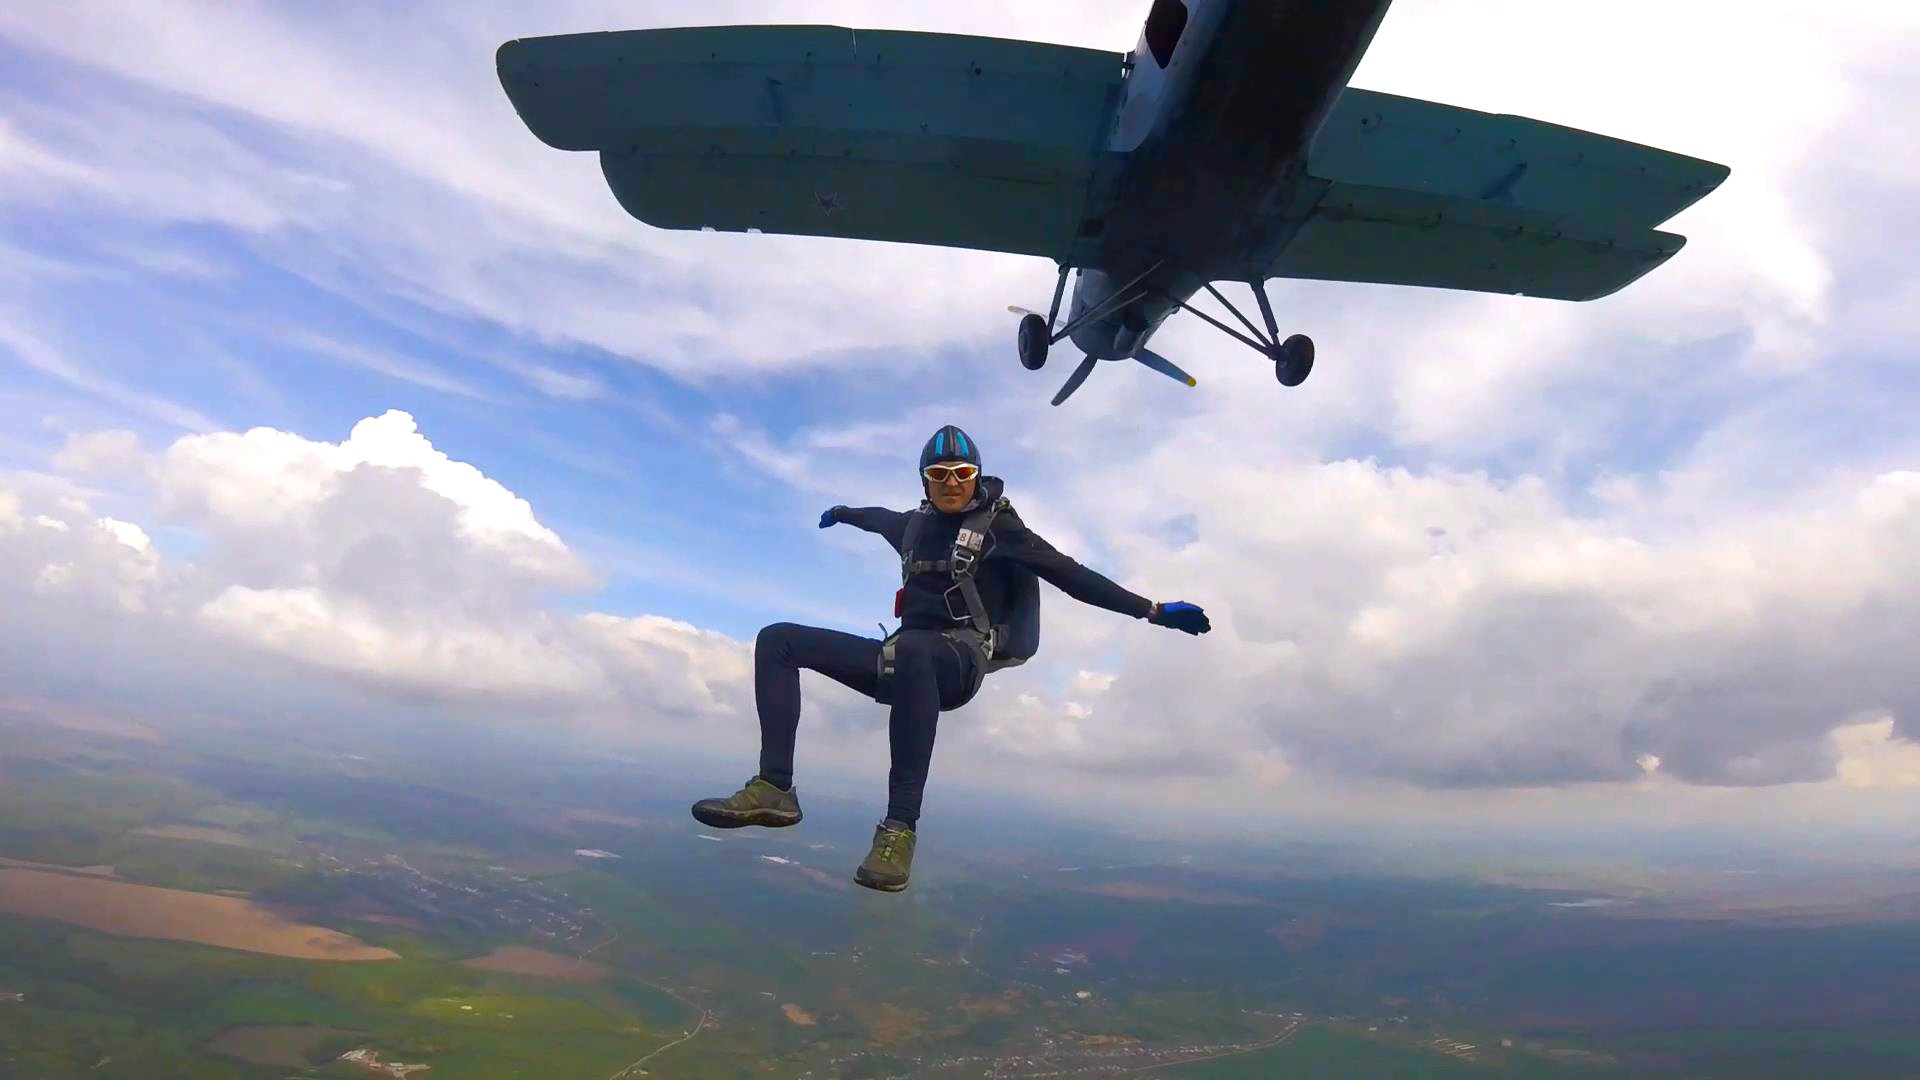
(1394, 236)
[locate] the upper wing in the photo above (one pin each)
(827, 131)
(1390, 141)
(1419, 193)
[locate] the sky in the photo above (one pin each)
(332, 398)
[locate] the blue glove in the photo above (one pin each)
(1181, 616)
(829, 519)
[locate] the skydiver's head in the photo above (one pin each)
(950, 469)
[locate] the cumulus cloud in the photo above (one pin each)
(378, 558)
(101, 452)
(363, 514)
(1871, 755)
(1446, 629)
(1437, 629)
(65, 554)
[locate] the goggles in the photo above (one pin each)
(959, 474)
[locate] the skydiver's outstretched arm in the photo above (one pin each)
(1013, 540)
(891, 525)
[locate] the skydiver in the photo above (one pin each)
(959, 620)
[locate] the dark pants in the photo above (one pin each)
(930, 672)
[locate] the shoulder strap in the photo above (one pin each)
(908, 568)
(967, 552)
(967, 543)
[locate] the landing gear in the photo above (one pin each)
(1292, 360)
(1033, 342)
(1037, 334)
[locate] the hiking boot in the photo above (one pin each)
(759, 803)
(891, 860)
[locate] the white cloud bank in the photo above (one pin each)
(1438, 630)
(1447, 630)
(378, 559)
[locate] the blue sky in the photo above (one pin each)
(1493, 545)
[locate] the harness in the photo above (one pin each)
(975, 631)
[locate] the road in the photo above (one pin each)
(1268, 1045)
(628, 1071)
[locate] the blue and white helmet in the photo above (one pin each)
(950, 444)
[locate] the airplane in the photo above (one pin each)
(1227, 146)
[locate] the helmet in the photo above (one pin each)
(950, 444)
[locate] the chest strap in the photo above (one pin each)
(960, 564)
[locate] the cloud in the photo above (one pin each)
(1871, 755)
(382, 362)
(419, 653)
(102, 452)
(1447, 630)
(38, 354)
(448, 202)
(1433, 629)
(65, 555)
(378, 558)
(311, 506)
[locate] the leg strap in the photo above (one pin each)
(884, 662)
(962, 638)
(979, 646)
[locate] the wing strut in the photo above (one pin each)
(1118, 299)
(1292, 358)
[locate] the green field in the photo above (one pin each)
(1325, 1051)
(757, 941)
(156, 1008)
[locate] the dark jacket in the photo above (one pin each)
(1009, 543)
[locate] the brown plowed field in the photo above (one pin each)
(521, 960)
(117, 907)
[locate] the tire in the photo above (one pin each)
(1033, 342)
(1293, 361)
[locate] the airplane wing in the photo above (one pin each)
(827, 131)
(1394, 236)
(1419, 193)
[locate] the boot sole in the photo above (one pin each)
(724, 819)
(861, 879)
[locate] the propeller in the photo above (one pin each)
(1074, 380)
(1164, 366)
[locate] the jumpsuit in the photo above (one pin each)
(932, 673)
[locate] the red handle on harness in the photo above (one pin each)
(899, 601)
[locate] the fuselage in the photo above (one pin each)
(1207, 152)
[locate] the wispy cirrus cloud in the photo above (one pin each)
(381, 362)
(30, 350)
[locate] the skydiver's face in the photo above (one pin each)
(950, 493)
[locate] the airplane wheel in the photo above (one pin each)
(1033, 342)
(1293, 360)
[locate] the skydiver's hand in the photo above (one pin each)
(831, 517)
(1181, 616)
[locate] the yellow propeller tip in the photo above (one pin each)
(1191, 381)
